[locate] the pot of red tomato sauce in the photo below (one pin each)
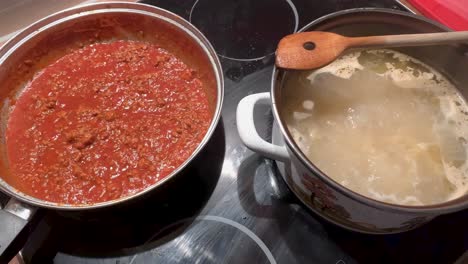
(101, 104)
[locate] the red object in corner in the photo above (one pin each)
(452, 13)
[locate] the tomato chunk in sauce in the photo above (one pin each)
(104, 122)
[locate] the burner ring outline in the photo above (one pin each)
(296, 27)
(226, 221)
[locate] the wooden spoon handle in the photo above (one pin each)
(408, 40)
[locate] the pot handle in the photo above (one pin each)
(14, 219)
(248, 133)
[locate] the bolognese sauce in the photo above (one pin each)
(105, 121)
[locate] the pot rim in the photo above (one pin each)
(446, 207)
(73, 13)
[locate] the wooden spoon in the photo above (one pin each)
(310, 50)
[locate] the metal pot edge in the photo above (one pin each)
(429, 210)
(158, 13)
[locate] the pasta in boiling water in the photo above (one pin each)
(383, 124)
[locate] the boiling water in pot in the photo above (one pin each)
(383, 124)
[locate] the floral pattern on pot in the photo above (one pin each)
(332, 206)
(323, 198)
(410, 224)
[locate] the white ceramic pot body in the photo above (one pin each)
(315, 189)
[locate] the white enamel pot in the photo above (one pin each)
(315, 189)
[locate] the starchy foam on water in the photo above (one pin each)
(383, 124)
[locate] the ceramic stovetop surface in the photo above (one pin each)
(231, 205)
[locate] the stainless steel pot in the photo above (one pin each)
(50, 38)
(315, 189)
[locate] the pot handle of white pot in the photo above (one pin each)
(248, 133)
(14, 227)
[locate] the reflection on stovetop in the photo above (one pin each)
(232, 206)
(243, 29)
(441, 241)
(247, 30)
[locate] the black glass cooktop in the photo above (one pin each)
(231, 206)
